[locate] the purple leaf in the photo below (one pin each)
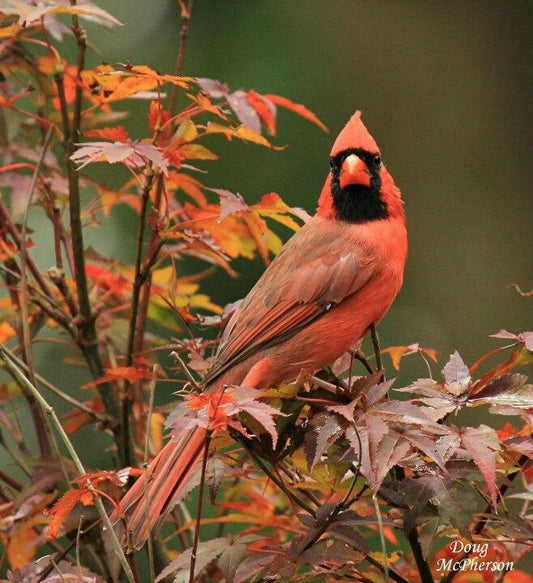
(231, 558)
(230, 203)
(325, 431)
(482, 444)
(206, 552)
(213, 88)
(261, 412)
(456, 374)
(508, 390)
(506, 335)
(246, 114)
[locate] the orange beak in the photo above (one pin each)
(354, 171)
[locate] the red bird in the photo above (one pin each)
(333, 279)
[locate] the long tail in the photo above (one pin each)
(154, 492)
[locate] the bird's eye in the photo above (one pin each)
(376, 160)
(332, 163)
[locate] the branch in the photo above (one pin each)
(88, 339)
(279, 483)
(5, 220)
(41, 427)
(104, 419)
(184, 34)
(412, 532)
(49, 410)
(138, 281)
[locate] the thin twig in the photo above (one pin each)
(382, 538)
(101, 418)
(180, 59)
(186, 370)
(49, 410)
(88, 339)
(11, 228)
(412, 532)
(336, 390)
(279, 483)
(125, 445)
(10, 481)
(41, 428)
(199, 510)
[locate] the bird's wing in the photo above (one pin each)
(303, 282)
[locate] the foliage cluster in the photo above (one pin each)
(305, 480)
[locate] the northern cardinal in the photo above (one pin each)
(333, 279)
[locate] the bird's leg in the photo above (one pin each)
(377, 350)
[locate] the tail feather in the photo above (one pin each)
(153, 493)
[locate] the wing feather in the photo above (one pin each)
(302, 283)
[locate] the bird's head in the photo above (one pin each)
(358, 188)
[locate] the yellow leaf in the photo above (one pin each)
(24, 541)
(240, 132)
(187, 131)
(196, 152)
(273, 207)
(204, 301)
(156, 431)
(9, 31)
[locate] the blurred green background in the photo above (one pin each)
(445, 88)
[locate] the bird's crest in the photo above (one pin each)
(354, 135)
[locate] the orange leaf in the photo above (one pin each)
(64, 506)
(23, 542)
(157, 423)
(297, 108)
(76, 419)
(10, 31)
(189, 185)
(519, 357)
(258, 230)
(272, 206)
(128, 373)
(264, 108)
(115, 134)
(132, 85)
(6, 332)
(118, 285)
(157, 117)
(398, 352)
(517, 576)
